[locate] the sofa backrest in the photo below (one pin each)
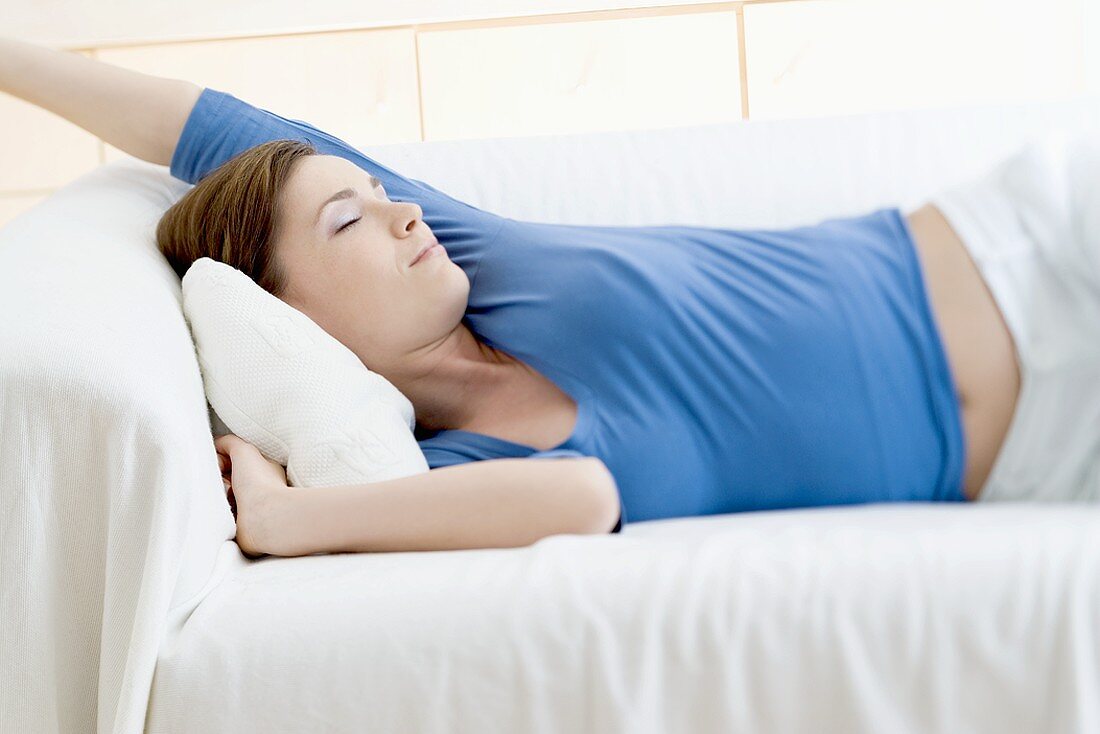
(756, 173)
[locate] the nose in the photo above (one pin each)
(407, 214)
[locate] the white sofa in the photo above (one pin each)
(124, 603)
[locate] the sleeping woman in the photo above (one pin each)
(665, 371)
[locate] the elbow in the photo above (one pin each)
(602, 493)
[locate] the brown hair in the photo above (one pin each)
(230, 214)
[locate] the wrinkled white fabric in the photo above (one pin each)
(112, 509)
(282, 383)
(1032, 226)
(892, 618)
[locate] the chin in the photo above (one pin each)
(459, 296)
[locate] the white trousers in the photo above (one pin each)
(1032, 225)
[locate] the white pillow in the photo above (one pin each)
(284, 384)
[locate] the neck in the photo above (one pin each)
(456, 381)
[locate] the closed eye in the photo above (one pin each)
(348, 225)
(377, 185)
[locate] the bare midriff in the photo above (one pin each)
(980, 349)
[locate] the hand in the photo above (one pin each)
(253, 483)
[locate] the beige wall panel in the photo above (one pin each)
(584, 76)
(359, 86)
(96, 23)
(12, 206)
(822, 57)
(42, 150)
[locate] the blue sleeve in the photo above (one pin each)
(220, 126)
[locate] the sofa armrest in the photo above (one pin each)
(114, 509)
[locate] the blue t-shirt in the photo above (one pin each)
(714, 370)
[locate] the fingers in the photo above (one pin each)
(224, 440)
(225, 444)
(222, 446)
(229, 445)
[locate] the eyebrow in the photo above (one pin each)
(342, 194)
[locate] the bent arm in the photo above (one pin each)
(140, 114)
(495, 503)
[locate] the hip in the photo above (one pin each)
(1031, 223)
(981, 353)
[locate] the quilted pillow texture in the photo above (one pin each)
(281, 382)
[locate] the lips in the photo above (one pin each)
(424, 248)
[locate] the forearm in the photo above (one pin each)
(137, 113)
(456, 507)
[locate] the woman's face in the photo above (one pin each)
(348, 263)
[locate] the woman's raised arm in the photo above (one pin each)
(137, 113)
